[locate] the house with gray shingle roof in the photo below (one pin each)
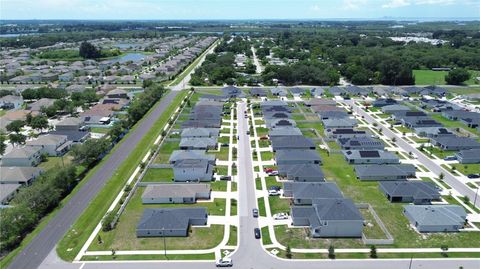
(198, 143)
(19, 175)
(455, 143)
(37, 105)
(53, 145)
(7, 192)
(24, 156)
(361, 143)
(192, 170)
(175, 193)
(305, 193)
(468, 156)
(339, 123)
(279, 92)
(170, 222)
(276, 123)
(178, 155)
(344, 133)
(417, 192)
(200, 132)
(302, 172)
(284, 131)
(385, 171)
(291, 142)
(296, 156)
(435, 218)
(258, 92)
(370, 157)
(329, 218)
(391, 109)
(11, 102)
(433, 132)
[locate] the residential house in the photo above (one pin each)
(24, 156)
(435, 218)
(170, 222)
(199, 132)
(377, 172)
(291, 142)
(192, 170)
(433, 132)
(360, 143)
(52, 145)
(198, 143)
(468, 156)
(7, 192)
(455, 143)
(305, 193)
(178, 155)
(37, 105)
(370, 157)
(306, 172)
(175, 193)
(329, 218)
(13, 102)
(279, 92)
(23, 175)
(284, 131)
(258, 92)
(381, 102)
(339, 123)
(344, 133)
(417, 192)
(295, 156)
(392, 109)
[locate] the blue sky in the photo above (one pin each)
(236, 9)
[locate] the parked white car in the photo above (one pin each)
(280, 216)
(273, 193)
(224, 262)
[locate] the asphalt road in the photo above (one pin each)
(38, 249)
(426, 161)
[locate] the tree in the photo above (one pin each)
(288, 252)
(331, 252)
(3, 145)
(15, 126)
(17, 138)
(89, 51)
(457, 76)
(107, 222)
(39, 122)
(116, 131)
(373, 252)
(90, 151)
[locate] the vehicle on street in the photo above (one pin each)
(273, 193)
(225, 178)
(280, 216)
(257, 233)
(473, 176)
(255, 212)
(224, 262)
(248, 132)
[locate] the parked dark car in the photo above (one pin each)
(225, 178)
(257, 232)
(473, 176)
(255, 213)
(275, 188)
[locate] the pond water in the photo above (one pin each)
(134, 57)
(126, 45)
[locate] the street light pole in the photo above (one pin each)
(164, 242)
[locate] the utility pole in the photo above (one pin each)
(164, 242)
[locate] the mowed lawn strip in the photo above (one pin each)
(81, 230)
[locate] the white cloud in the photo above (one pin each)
(396, 3)
(434, 2)
(353, 4)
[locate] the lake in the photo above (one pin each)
(134, 57)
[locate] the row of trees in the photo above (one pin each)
(35, 201)
(143, 102)
(217, 69)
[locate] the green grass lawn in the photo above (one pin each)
(261, 207)
(222, 154)
(296, 117)
(453, 123)
(266, 240)
(74, 239)
(219, 185)
(261, 131)
(429, 77)
(99, 130)
(266, 155)
(337, 170)
(278, 205)
(222, 170)
(312, 125)
(466, 169)
(142, 257)
(158, 175)
(166, 150)
(440, 153)
(403, 129)
(232, 238)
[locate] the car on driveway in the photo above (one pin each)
(276, 188)
(450, 158)
(224, 262)
(255, 212)
(280, 216)
(257, 233)
(273, 173)
(473, 176)
(273, 193)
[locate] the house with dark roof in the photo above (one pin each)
(232, 92)
(468, 156)
(471, 119)
(416, 122)
(435, 218)
(175, 193)
(345, 133)
(339, 123)
(455, 143)
(7, 192)
(383, 172)
(199, 132)
(282, 92)
(305, 193)
(178, 155)
(284, 131)
(296, 156)
(258, 92)
(192, 170)
(320, 102)
(297, 91)
(392, 109)
(381, 102)
(433, 132)
(417, 192)
(52, 145)
(370, 157)
(198, 143)
(279, 123)
(291, 142)
(170, 222)
(268, 115)
(324, 115)
(360, 143)
(405, 114)
(329, 218)
(301, 172)
(213, 97)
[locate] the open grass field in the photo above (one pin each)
(429, 77)
(158, 175)
(157, 257)
(453, 123)
(74, 239)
